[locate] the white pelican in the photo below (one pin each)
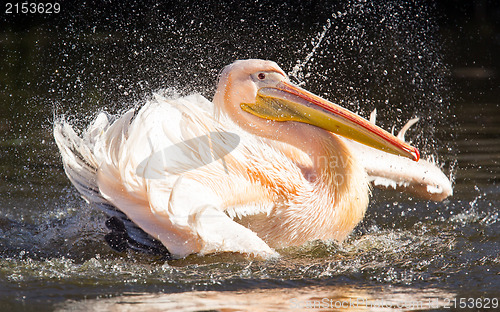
(261, 167)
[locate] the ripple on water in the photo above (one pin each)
(440, 253)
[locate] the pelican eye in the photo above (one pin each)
(261, 76)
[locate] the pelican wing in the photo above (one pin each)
(172, 171)
(424, 179)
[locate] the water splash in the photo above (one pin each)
(297, 70)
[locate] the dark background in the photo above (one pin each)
(468, 33)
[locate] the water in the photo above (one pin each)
(390, 56)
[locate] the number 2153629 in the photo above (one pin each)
(32, 8)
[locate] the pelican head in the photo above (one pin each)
(260, 98)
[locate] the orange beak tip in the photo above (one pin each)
(417, 154)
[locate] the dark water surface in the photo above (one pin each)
(438, 62)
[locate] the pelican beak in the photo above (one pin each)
(288, 102)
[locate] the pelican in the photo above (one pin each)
(266, 165)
